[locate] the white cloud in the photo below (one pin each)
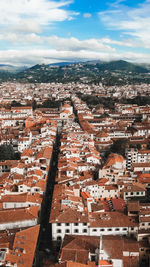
(134, 22)
(19, 38)
(73, 44)
(31, 57)
(54, 48)
(32, 15)
(116, 3)
(58, 43)
(34, 56)
(87, 15)
(23, 23)
(128, 43)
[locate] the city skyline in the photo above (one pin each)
(43, 31)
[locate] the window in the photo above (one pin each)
(76, 224)
(93, 258)
(94, 230)
(102, 230)
(117, 229)
(124, 229)
(84, 224)
(76, 231)
(67, 224)
(58, 224)
(59, 231)
(137, 193)
(84, 230)
(109, 229)
(36, 189)
(132, 193)
(67, 231)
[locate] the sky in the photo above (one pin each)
(44, 31)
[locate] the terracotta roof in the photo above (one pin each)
(27, 153)
(14, 198)
(22, 107)
(104, 263)
(86, 195)
(144, 178)
(102, 181)
(135, 187)
(66, 106)
(144, 152)
(24, 247)
(69, 216)
(143, 164)
(118, 204)
(95, 207)
(15, 215)
(115, 245)
(112, 159)
(102, 134)
(133, 206)
(111, 219)
(76, 248)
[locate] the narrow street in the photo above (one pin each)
(44, 246)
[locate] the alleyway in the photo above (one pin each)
(44, 247)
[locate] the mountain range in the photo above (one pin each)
(114, 72)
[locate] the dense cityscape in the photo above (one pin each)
(74, 133)
(74, 175)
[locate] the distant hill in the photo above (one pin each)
(121, 65)
(110, 73)
(83, 72)
(11, 68)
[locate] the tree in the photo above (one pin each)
(50, 103)
(148, 146)
(139, 146)
(119, 146)
(34, 104)
(14, 103)
(7, 153)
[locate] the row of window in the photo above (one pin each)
(145, 223)
(94, 230)
(75, 224)
(110, 229)
(132, 193)
(67, 231)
